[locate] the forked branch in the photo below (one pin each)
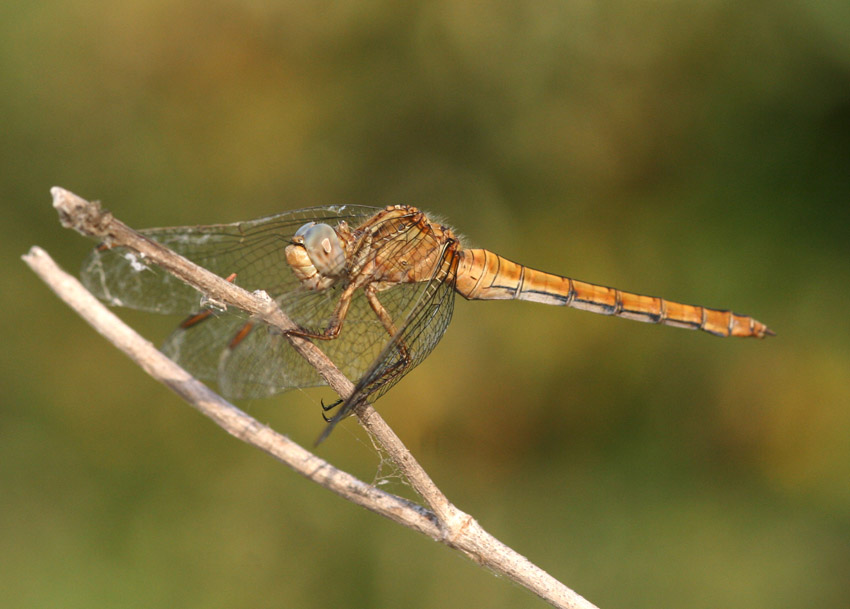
(442, 522)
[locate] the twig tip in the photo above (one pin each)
(65, 199)
(57, 191)
(75, 212)
(34, 252)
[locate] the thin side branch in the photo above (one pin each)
(233, 420)
(444, 522)
(89, 219)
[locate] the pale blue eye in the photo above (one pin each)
(301, 231)
(323, 247)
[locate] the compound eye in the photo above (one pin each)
(303, 230)
(323, 247)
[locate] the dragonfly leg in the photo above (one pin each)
(396, 368)
(336, 319)
(328, 407)
(332, 405)
(389, 326)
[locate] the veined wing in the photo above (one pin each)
(364, 350)
(422, 327)
(263, 362)
(254, 250)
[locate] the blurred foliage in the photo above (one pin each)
(699, 151)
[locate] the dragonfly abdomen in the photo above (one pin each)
(483, 275)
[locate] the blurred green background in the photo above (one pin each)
(697, 151)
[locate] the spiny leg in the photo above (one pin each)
(396, 368)
(336, 320)
(389, 326)
(329, 407)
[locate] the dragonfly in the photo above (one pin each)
(372, 287)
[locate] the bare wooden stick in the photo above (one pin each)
(89, 219)
(446, 523)
(226, 415)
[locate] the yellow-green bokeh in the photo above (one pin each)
(697, 151)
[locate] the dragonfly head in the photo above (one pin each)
(316, 252)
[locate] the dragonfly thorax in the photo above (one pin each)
(316, 255)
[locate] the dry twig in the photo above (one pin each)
(442, 522)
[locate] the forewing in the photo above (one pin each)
(263, 362)
(254, 250)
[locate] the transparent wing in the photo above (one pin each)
(262, 362)
(424, 326)
(254, 250)
(427, 317)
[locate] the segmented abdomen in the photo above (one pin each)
(483, 275)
